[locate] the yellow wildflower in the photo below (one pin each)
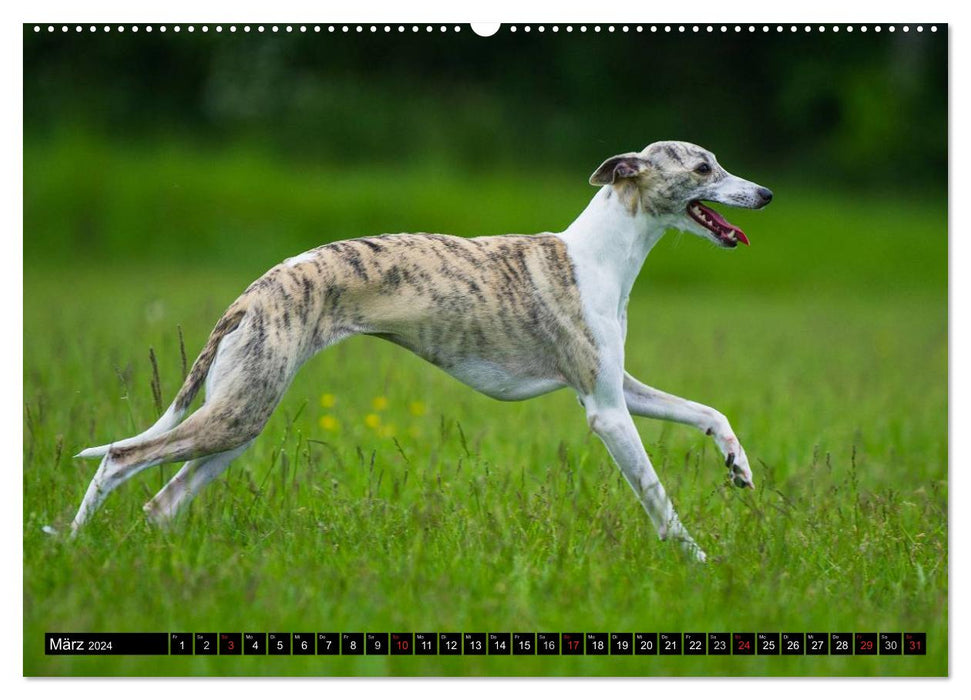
(372, 420)
(328, 422)
(380, 403)
(328, 400)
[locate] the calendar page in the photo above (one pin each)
(525, 349)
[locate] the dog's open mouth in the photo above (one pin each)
(728, 234)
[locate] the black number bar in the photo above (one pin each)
(493, 643)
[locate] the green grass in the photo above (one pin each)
(825, 344)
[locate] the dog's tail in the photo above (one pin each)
(197, 376)
(200, 368)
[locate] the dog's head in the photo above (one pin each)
(671, 179)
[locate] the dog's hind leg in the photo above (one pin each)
(247, 378)
(216, 428)
(169, 420)
(188, 482)
(121, 463)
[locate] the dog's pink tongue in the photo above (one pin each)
(739, 233)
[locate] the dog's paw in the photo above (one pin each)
(692, 549)
(739, 471)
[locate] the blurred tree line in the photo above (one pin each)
(855, 109)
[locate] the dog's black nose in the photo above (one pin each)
(765, 194)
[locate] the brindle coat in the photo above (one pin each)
(455, 302)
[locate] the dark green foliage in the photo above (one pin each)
(863, 109)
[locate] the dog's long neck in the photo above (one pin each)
(613, 243)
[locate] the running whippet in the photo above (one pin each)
(511, 316)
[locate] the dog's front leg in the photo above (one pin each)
(643, 400)
(612, 423)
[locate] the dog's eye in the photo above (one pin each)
(703, 169)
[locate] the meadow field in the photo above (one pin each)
(384, 496)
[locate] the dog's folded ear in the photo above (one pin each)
(617, 168)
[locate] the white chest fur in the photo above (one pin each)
(607, 246)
